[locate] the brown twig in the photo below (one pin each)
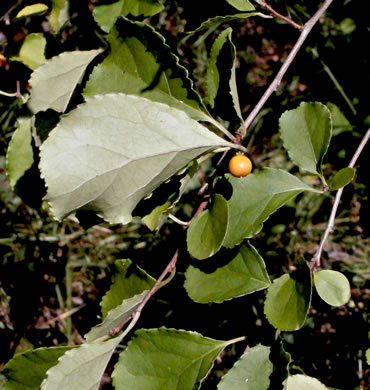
(330, 228)
(6, 16)
(274, 86)
(277, 15)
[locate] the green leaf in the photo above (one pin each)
(340, 122)
(141, 63)
(166, 359)
(303, 382)
(106, 15)
(288, 299)
(129, 280)
(281, 361)
(217, 20)
(207, 231)
(341, 178)
(223, 47)
(368, 356)
(306, 132)
(54, 82)
(245, 274)
(250, 372)
(26, 371)
(115, 317)
(32, 51)
(255, 197)
(59, 14)
(81, 368)
(241, 5)
(31, 10)
(153, 220)
(333, 287)
(140, 145)
(19, 156)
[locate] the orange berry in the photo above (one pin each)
(240, 165)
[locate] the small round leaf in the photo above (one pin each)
(333, 287)
(341, 178)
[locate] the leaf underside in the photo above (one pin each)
(114, 150)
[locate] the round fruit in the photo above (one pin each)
(240, 165)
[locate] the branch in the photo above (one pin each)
(135, 316)
(277, 15)
(274, 86)
(330, 228)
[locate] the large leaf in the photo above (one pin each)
(333, 287)
(221, 65)
(141, 63)
(207, 231)
(341, 178)
(289, 298)
(245, 274)
(19, 156)
(303, 382)
(115, 317)
(241, 5)
(54, 82)
(106, 15)
(250, 372)
(306, 132)
(158, 359)
(26, 371)
(129, 280)
(32, 51)
(114, 150)
(59, 14)
(81, 368)
(255, 197)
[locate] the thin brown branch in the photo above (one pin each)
(135, 316)
(277, 15)
(274, 86)
(316, 260)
